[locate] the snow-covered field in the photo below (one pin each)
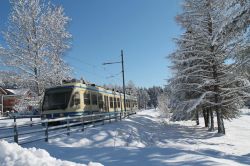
(145, 139)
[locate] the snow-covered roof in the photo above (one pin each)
(19, 92)
(3, 91)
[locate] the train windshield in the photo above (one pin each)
(56, 98)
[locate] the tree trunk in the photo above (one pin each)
(197, 117)
(208, 117)
(205, 115)
(220, 123)
(211, 128)
(215, 77)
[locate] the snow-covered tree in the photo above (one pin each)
(131, 88)
(203, 78)
(26, 103)
(163, 104)
(154, 92)
(9, 79)
(113, 87)
(36, 40)
(143, 98)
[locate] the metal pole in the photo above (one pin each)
(82, 124)
(31, 121)
(123, 83)
(15, 133)
(123, 79)
(1, 98)
(46, 132)
(68, 128)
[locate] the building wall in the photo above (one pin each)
(9, 102)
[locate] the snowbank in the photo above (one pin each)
(245, 111)
(12, 154)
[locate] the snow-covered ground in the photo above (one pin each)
(13, 155)
(146, 139)
(9, 121)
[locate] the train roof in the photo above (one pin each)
(93, 87)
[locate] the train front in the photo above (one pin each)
(56, 102)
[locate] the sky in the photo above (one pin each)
(143, 29)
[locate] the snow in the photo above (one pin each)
(146, 139)
(12, 154)
(9, 121)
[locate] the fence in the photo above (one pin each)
(44, 129)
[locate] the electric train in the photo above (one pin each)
(76, 98)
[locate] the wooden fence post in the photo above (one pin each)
(103, 119)
(68, 129)
(46, 132)
(15, 133)
(82, 124)
(92, 119)
(30, 121)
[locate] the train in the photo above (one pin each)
(76, 98)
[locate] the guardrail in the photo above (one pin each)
(43, 129)
(15, 117)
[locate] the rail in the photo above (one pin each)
(22, 133)
(15, 117)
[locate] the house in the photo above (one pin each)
(10, 97)
(2, 93)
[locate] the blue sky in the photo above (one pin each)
(144, 29)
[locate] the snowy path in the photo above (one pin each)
(144, 139)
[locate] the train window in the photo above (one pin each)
(94, 98)
(118, 102)
(100, 101)
(111, 102)
(57, 98)
(87, 98)
(128, 103)
(75, 100)
(115, 104)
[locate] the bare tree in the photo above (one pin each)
(36, 40)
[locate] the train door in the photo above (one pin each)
(106, 104)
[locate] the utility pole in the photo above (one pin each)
(123, 79)
(1, 105)
(123, 83)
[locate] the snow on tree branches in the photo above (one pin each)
(36, 40)
(215, 31)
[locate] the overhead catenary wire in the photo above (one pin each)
(94, 67)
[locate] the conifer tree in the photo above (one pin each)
(203, 79)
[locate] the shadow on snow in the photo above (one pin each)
(150, 134)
